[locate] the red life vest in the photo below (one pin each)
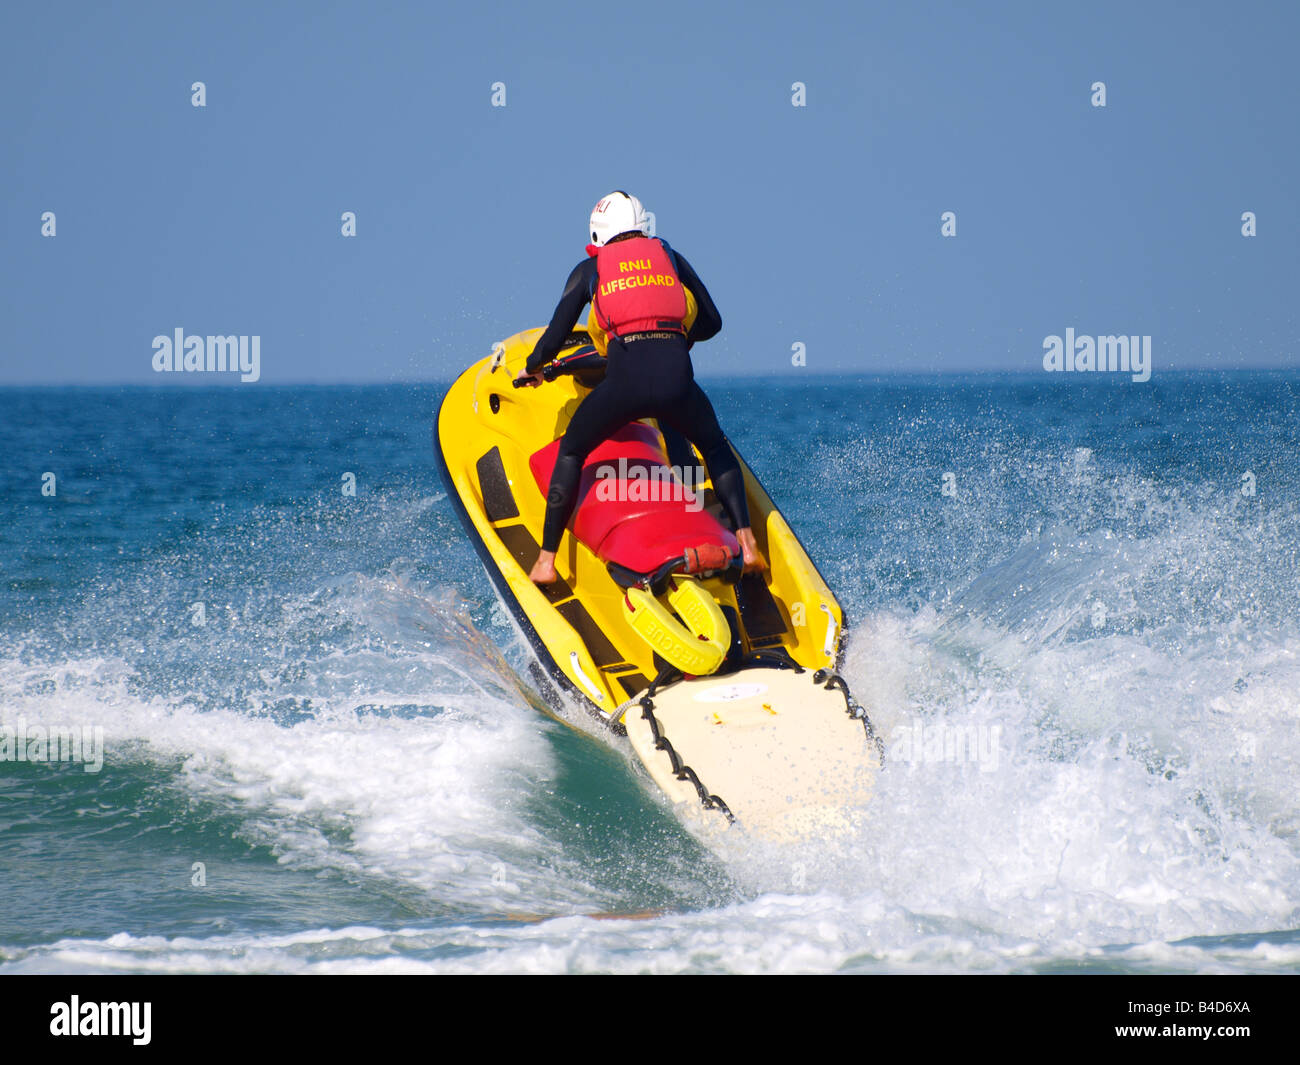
(637, 289)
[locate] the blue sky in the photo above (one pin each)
(818, 225)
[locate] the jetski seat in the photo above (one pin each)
(636, 533)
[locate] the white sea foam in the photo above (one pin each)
(435, 798)
(1142, 814)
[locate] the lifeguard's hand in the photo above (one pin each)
(524, 379)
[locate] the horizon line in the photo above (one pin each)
(204, 381)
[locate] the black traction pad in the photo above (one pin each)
(520, 543)
(498, 500)
(603, 653)
(759, 613)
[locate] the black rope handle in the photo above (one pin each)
(680, 770)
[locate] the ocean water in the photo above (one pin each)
(322, 751)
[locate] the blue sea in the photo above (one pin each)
(321, 749)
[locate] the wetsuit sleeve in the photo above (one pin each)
(707, 319)
(577, 292)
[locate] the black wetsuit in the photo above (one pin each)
(645, 378)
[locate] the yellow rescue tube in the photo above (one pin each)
(697, 648)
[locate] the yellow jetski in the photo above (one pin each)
(723, 682)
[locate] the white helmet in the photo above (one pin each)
(617, 213)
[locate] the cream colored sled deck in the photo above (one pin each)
(778, 751)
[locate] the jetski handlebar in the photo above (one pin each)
(574, 364)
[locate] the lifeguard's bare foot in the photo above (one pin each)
(543, 571)
(749, 551)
